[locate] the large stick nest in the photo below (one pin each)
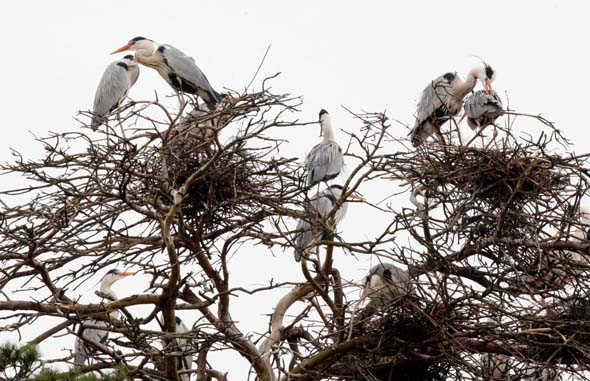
(401, 327)
(497, 197)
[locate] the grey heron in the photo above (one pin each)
(482, 109)
(185, 360)
(178, 70)
(113, 87)
(193, 125)
(443, 99)
(84, 349)
(312, 228)
(325, 160)
(384, 283)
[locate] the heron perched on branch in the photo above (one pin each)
(443, 99)
(113, 87)
(384, 283)
(178, 70)
(185, 360)
(313, 228)
(90, 338)
(325, 160)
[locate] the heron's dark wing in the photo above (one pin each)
(324, 162)
(185, 67)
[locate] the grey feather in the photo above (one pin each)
(191, 125)
(324, 162)
(436, 106)
(84, 350)
(185, 362)
(388, 282)
(395, 277)
(482, 109)
(184, 67)
(112, 89)
(311, 228)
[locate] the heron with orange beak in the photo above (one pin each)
(315, 227)
(178, 70)
(325, 160)
(443, 98)
(89, 338)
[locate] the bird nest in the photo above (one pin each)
(565, 335)
(494, 177)
(401, 327)
(217, 181)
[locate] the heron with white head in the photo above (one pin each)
(384, 283)
(325, 160)
(178, 69)
(113, 87)
(443, 99)
(89, 339)
(313, 228)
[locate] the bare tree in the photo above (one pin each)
(493, 238)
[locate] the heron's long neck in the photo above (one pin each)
(327, 130)
(145, 55)
(105, 288)
(466, 86)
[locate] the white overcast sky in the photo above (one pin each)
(361, 54)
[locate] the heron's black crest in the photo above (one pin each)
(336, 186)
(123, 65)
(489, 71)
(113, 271)
(128, 57)
(588, 235)
(449, 76)
(322, 112)
(178, 321)
(135, 39)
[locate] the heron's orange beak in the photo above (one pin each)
(366, 290)
(122, 49)
(356, 196)
(126, 273)
(488, 86)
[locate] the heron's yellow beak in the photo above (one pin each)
(122, 49)
(488, 86)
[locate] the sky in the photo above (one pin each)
(373, 56)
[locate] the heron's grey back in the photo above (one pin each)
(112, 88)
(324, 162)
(481, 103)
(99, 336)
(185, 67)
